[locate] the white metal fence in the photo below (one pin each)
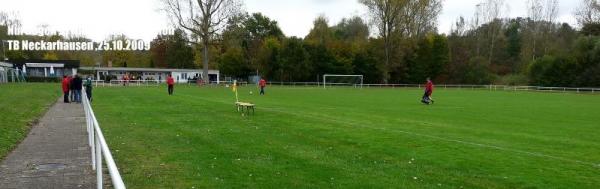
(490, 87)
(320, 84)
(99, 148)
(444, 86)
(114, 83)
(147, 83)
(3, 75)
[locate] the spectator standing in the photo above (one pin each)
(66, 88)
(77, 85)
(88, 88)
(71, 90)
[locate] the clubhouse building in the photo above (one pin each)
(58, 68)
(180, 75)
(46, 68)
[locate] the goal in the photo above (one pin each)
(330, 80)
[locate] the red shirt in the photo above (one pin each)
(429, 87)
(262, 83)
(170, 81)
(65, 84)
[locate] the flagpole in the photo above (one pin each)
(235, 90)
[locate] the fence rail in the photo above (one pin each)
(147, 83)
(320, 84)
(99, 148)
(445, 86)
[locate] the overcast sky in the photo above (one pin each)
(141, 19)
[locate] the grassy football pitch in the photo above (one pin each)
(351, 138)
(20, 106)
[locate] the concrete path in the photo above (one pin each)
(55, 154)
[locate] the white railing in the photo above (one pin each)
(320, 84)
(444, 86)
(99, 148)
(114, 83)
(491, 87)
(147, 83)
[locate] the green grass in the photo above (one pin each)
(351, 138)
(20, 105)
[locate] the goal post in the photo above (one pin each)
(355, 81)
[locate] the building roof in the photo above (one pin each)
(39, 63)
(6, 64)
(122, 69)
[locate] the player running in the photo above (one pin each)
(428, 92)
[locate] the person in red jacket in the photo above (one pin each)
(428, 92)
(65, 88)
(170, 84)
(262, 83)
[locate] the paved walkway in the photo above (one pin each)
(55, 154)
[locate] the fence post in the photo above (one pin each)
(98, 163)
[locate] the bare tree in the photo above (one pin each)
(203, 19)
(12, 22)
(492, 12)
(542, 14)
(550, 15)
(385, 14)
(420, 17)
(44, 29)
(459, 27)
(475, 24)
(402, 18)
(588, 12)
(534, 12)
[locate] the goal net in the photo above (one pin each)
(330, 80)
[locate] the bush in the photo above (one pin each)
(553, 71)
(590, 77)
(477, 72)
(513, 79)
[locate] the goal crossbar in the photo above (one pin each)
(358, 84)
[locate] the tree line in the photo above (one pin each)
(397, 43)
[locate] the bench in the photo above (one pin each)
(244, 105)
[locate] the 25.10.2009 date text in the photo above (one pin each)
(123, 45)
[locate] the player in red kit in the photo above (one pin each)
(170, 84)
(428, 92)
(262, 83)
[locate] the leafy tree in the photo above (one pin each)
(268, 58)
(50, 56)
(514, 40)
(419, 64)
(476, 71)
(440, 56)
(260, 27)
(179, 53)
(591, 29)
(365, 63)
(294, 63)
(553, 71)
(233, 63)
(321, 33)
(352, 30)
(250, 33)
(158, 51)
